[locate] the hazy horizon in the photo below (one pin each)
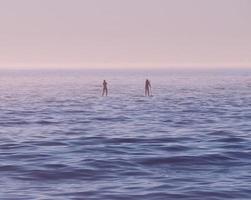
(117, 34)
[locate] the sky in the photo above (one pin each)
(125, 34)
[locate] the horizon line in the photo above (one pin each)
(196, 67)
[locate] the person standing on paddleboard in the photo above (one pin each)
(148, 88)
(105, 89)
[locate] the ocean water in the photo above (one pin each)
(59, 139)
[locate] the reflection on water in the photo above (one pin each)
(61, 140)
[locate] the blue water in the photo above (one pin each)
(59, 139)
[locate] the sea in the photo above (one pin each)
(60, 139)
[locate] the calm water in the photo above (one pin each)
(61, 140)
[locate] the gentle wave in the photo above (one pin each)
(61, 140)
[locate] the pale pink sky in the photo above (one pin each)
(125, 33)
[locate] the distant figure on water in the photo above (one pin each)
(105, 89)
(148, 88)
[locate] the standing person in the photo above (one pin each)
(148, 88)
(105, 89)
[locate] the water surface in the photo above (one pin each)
(61, 140)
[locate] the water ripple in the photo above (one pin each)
(61, 140)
